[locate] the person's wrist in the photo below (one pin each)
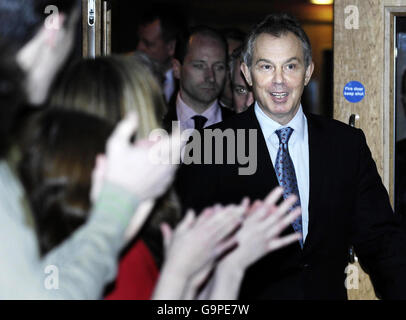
(176, 274)
(115, 202)
(227, 281)
(177, 269)
(231, 269)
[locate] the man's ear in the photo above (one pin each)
(177, 68)
(171, 45)
(309, 72)
(247, 73)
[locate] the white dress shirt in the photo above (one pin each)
(185, 114)
(298, 145)
(169, 84)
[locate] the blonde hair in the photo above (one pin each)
(110, 87)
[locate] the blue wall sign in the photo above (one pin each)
(354, 91)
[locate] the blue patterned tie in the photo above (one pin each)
(285, 172)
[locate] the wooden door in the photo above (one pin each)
(365, 52)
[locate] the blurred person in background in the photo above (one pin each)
(241, 91)
(235, 38)
(32, 55)
(158, 32)
(109, 88)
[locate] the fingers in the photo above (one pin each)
(230, 213)
(279, 225)
(233, 215)
(278, 212)
(218, 222)
(225, 245)
(274, 196)
(201, 275)
(100, 166)
(101, 163)
(166, 234)
(260, 210)
(245, 202)
(167, 149)
(205, 214)
(254, 207)
(259, 213)
(278, 243)
(226, 222)
(187, 221)
(286, 204)
(124, 129)
(97, 176)
(295, 213)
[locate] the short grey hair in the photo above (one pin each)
(277, 25)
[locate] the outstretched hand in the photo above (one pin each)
(198, 241)
(261, 229)
(258, 236)
(133, 167)
(193, 247)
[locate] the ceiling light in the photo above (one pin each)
(322, 1)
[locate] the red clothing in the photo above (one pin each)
(137, 275)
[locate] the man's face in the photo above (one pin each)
(227, 94)
(152, 43)
(242, 94)
(203, 72)
(278, 75)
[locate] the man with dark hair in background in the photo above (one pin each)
(200, 64)
(158, 32)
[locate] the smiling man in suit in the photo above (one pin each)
(326, 163)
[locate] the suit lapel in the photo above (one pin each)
(265, 169)
(225, 113)
(317, 166)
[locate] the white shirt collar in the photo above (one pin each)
(185, 113)
(269, 126)
(169, 84)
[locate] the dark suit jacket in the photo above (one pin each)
(348, 205)
(172, 115)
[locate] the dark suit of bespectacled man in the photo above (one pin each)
(325, 162)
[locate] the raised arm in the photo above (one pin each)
(258, 236)
(81, 266)
(193, 247)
